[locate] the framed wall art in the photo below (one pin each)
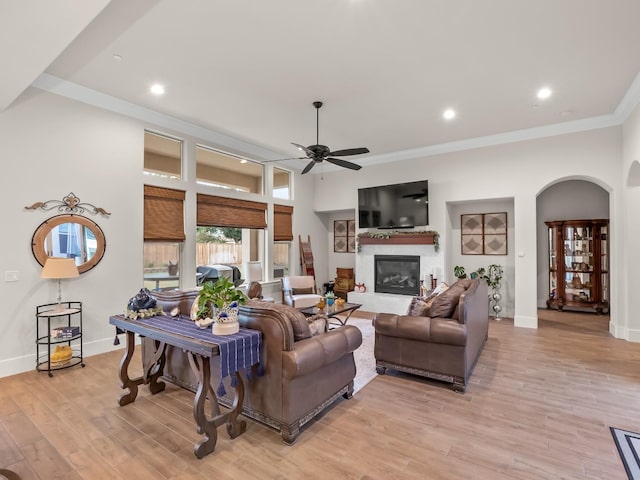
(483, 233)
(340, 236)
(344, 236)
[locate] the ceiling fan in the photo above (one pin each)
(318, 153)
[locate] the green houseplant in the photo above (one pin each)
(218, 304)
(459, 271)
(330, 297)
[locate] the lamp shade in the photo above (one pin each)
(58, 268)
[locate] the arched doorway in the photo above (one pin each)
(568, 199)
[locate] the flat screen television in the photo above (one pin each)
(401, 205)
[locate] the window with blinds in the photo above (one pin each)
(163, 214)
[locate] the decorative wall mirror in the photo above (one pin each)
(70, 236)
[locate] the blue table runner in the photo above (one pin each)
(238, 351)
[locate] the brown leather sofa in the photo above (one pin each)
(303, 375)
(444, 342)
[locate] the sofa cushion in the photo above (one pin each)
(445, 304)
(317, 324)
(301, 291)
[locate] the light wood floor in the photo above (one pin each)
(539, 406)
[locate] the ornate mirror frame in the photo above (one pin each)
(46, 227)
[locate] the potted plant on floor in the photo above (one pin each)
(217, 305)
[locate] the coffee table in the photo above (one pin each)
(333, 311)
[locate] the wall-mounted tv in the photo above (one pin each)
(401, 205)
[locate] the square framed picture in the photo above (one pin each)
(340, 244)
(483, 233)
(340, 228)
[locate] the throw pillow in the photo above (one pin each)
(301, 291)
(419, 306)
(445, 303)
(317, 324)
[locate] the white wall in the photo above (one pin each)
(52, 146)
(518, 170)
(629, 260)
(473, 262)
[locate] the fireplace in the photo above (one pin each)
(399, 274)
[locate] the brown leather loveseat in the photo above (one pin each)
(303, 375)
(443, 342)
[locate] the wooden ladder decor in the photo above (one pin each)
(306, 257)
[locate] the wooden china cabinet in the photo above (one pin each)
(579, 264)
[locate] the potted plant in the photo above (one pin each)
(217, 305)
(330, 297)
(459, 272)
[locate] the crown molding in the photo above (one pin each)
(64, 88)
(92, 97)
(630, 101)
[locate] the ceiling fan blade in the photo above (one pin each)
(308, 167)
(350, 151)
(343, 163)
(304, 149)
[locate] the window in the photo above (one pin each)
(162, 156)
(226, 251)
(161, 269)
(281, 187)
(222, 170)
(230, 232)
(163, 235)
(281, 259)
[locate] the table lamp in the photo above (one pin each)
(59, 268)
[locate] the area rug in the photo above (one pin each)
(628, 444)
(365, 361)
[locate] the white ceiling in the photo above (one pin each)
(385, 69)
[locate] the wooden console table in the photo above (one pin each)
(201, 346)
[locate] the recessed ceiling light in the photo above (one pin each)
(544, 92)
(449, 114)
(157, 89)
(117, 58)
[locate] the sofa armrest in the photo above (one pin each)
(313, 353)
(403, 326)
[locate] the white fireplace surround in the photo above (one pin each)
(430, 264)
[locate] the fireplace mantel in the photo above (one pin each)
(400, 239)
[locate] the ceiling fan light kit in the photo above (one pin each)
(318, 153)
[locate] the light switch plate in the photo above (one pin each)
(11, 276)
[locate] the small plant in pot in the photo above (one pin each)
(459, 271)
(330, 297)
(217, 305)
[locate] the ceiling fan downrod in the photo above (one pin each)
(317, 104)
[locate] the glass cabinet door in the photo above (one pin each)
(578, 263)
(604, 265)
(553, 273)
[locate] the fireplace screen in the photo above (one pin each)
(399, 274)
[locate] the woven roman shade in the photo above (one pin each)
(163, 214)
(283, 223)
(216, 211)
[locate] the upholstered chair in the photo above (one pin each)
(299, 291)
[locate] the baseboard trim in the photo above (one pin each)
(27, 363)
(525, 322)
